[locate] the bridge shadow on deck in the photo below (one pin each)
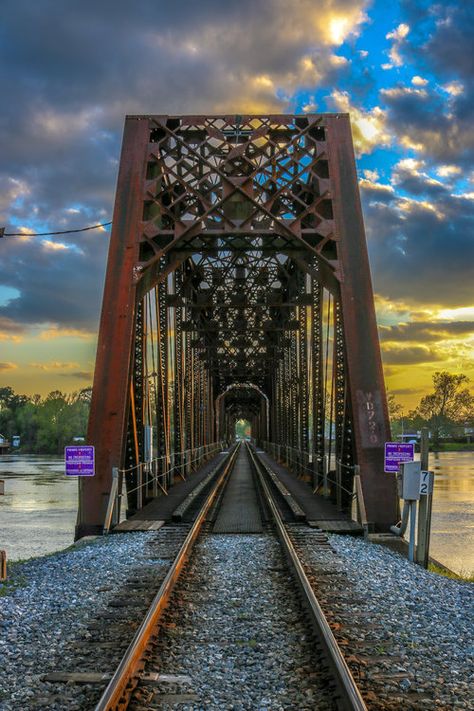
(320, 512)
(161, 508)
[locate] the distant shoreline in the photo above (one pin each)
(454, 447)
(446, 447)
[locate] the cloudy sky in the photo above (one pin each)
(69, 73)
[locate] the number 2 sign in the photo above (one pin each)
(426, 483)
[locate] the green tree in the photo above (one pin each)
(395, 414)
(10, 406)
(45, 425)
(27, 424)
(448, 406)
(394, 407)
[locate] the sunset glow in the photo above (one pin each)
(401, 71)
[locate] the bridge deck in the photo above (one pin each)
(161, 508)
(319, 511)
(239, 511)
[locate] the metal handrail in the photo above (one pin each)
(168, 457)
(116, 494)
(173, 455)
(318, 459)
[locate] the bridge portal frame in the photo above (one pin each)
(128, 279)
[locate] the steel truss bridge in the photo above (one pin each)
(238, 286)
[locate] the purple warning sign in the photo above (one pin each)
(396, 452)
(79, 461)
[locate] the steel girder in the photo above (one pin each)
(238, 255)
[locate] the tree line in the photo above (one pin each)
(447, 411)
(45, 425)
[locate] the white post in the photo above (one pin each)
(411, 544)
(111, 501)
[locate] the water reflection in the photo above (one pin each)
(452, 539)
(38, 511)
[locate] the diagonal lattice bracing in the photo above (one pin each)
(238, 287)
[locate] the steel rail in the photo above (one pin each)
(351, 697)
(121, 685)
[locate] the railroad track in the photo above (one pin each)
(140, 680)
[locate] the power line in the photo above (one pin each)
(50, 234)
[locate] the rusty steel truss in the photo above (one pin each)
(238, 287)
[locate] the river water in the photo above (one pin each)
(38, 510)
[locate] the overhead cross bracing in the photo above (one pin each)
(238, 286)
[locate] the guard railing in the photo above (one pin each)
(326, 476)
(155, 476)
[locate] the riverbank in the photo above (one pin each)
(50, 602)
(39, 509)
(453, 447)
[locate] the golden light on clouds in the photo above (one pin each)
(57, 332)
(54, 365)
(339, 28)
(54, 246)
(455, 88)
(447, 171)
(378, 187)
(416, 342)
(368, 127)
(409, 205)
(463, 313)
(408, 142)
(8, 366)
(263, 80)
(419, 81)
(400, 32)
(399, 92)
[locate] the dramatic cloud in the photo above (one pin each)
(60, 286)
(437, 122)
(421, 247)
(67, 98)
(404, 73)
(426, 331)
(368, 127)
(8, 366)
(409, 356)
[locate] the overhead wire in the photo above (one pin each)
(50, 234)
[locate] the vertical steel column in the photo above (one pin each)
(172, 380)
(364, 365)
(179, 428)
(163, 399)
(135, 429)
(293, 385)
(317, 373)
(344, 449)
(111, 391)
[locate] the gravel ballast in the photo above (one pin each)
(428, 620)
(236, 632)
(49, 602)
